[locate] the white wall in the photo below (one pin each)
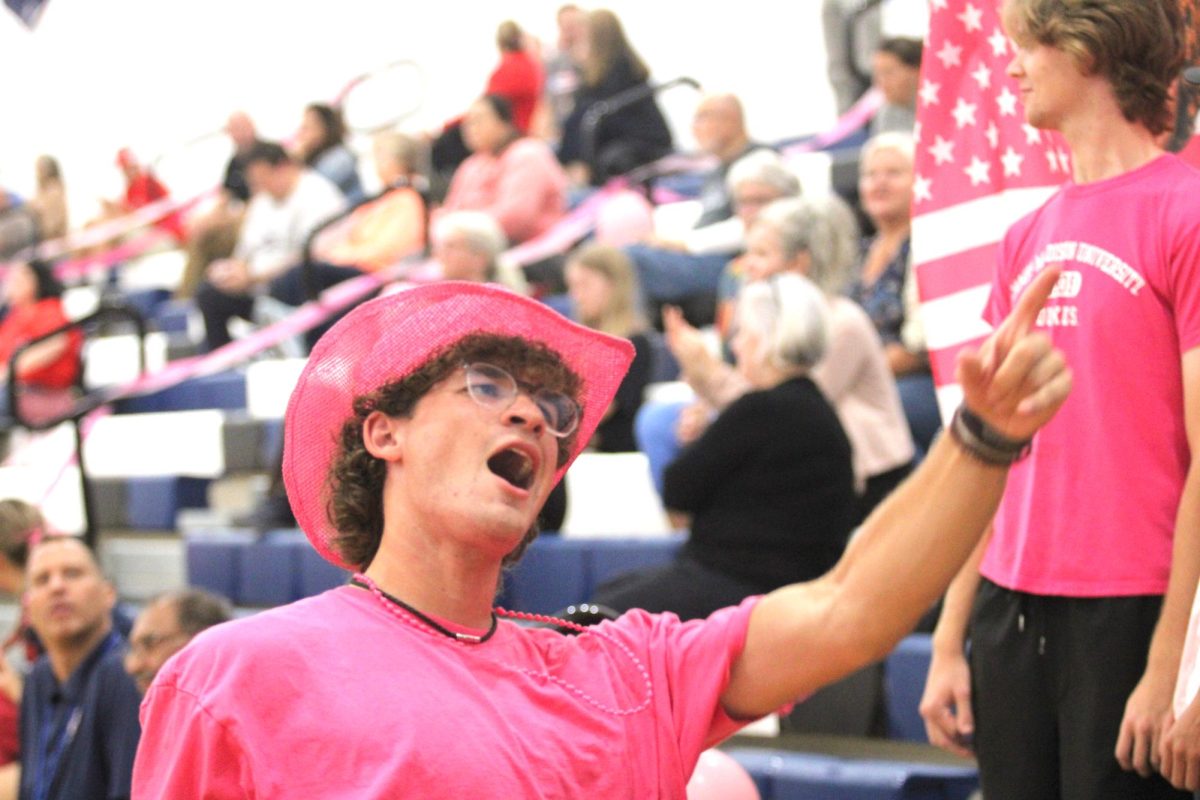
(97, 75)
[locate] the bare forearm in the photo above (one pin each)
(917, 542)
(950, 635)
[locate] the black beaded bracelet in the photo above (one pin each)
(983, 442)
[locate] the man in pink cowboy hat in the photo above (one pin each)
(421, 440)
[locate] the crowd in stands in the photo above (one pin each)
(787, 320)
(292, 219)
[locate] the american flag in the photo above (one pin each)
(979, 168)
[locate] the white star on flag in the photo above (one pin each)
(964, 113)
(942, 150)
(987, 166)
(922, 189)
(950, 55)
(982, 76)
(971, 18)
(978, 171)
(1007, 101)
(1012, 162)
(999, 43)
(929, 92)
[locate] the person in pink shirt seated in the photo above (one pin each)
(421, 441)
(515, 179)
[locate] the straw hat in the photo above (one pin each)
(390, 337)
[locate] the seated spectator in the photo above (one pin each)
(468, 245)
(604, 292)
(289, 202)
(517, 78)
(34, 298)
(698, 285)
(320, 145)
(629, 136)
(49, 203)
(769, 486)
(79, 710)
(390, 227)
(814, 238)
(165, 626)
(562, 71)
(214, 234)
(142, 188)
(512, 178)
(896, 72)
(692, 261)
(885, 286)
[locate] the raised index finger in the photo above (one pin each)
(1023, 317)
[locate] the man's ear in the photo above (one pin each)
(383, 436)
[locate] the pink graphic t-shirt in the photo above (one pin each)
(335, 696)
(1091, 512)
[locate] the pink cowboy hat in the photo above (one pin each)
(390, 337)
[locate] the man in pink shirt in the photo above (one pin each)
(1081, 591)
(422, 439)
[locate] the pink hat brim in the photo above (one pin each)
(391, 336)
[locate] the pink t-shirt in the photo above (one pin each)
(334, 696)
(523, 188)
(1091, 512)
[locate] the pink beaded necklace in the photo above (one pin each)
(419, 621)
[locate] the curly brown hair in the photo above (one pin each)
(1138, 47)
(356, 477)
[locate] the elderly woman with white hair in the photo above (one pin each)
(694, 276)
(769, 486)
(815, 238)
(469, 245)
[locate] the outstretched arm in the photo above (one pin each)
(806, 635)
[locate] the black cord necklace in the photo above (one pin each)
(468, 638)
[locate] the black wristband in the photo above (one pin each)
(983, 442)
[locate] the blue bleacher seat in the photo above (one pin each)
(146, 301)
(788, 775)
(152, 503)
(611, 557)
(225, 390)
(172, 316)
(318, 575)
(212, 561)
(269, 569)
(904, 683)
(553, 574)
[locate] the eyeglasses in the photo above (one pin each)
(494, 388)
(149, 642)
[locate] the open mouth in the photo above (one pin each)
(513, 466)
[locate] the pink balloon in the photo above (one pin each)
(719, 777)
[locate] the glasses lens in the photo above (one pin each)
(489, 385)
(561, 412)
(493, 387)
